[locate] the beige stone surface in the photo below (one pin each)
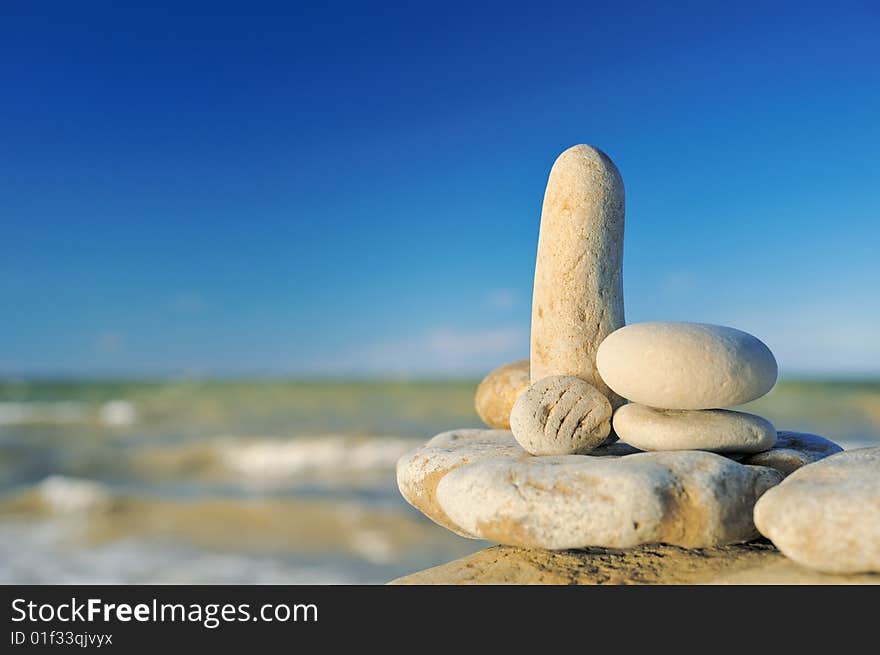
(498, 391)
(752, 564)
(792, 451)
(561, 415)
(826, 515)
(714, 430)
(617, 496)
(670, 365)
(692, 499)
(578, 291)
(420, 471)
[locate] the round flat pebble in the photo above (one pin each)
(826, 515)
(561, 415)
(714, 430)
(686, 365)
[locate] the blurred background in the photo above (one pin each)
(250, 255)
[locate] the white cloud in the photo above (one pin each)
(823, 336)
(678, 283)
(502, 299)
(187, 302)
(458, 343)
(829, 347)
(109, 343)
(440, 351)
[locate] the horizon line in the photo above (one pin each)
(64, 378)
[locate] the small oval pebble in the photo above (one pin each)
(715, 430)
(561, 415)
(499, 390)
(686, 365)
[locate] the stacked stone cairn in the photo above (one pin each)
(569, 463)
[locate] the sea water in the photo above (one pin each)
(259, 482)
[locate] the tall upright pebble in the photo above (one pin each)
(578, 293)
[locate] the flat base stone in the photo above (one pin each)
(749, 564)
(482, 484)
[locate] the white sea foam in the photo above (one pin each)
(373, 545)
(64, 494)
(49, 552)
(319, 454)
(114, 413)
(118, 414)
(17, 413)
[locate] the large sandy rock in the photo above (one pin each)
(685, 365)
(420, 471)
(691, 499)
(714, 430)
(578, 292)
(499, 390)
(826, 515)
(561, 415)
(750, 564)
(482, 484)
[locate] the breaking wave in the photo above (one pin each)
(311, 455)
(64, 494)
(114, 413)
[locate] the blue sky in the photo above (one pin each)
(331, 189)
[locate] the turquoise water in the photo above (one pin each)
(259, 482)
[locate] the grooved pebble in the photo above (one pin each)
(691, 499)
(793, 450)
(715, 430)
(561, 415)
(826, 515)
(499, 390)
(686, 365)
(578, 289)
